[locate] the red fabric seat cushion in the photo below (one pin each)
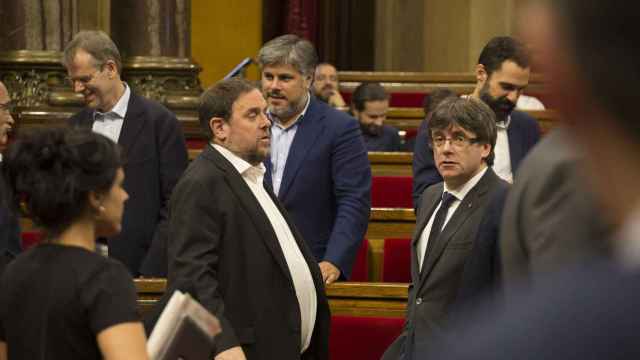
(396, 260)
(391, 191)
(30, 238)
(362, 338)
(360, 270)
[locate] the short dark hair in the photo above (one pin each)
(217, 100)
(97, 44)
(605, 45)
(432, 100)
(53, 170)
(470, 114)
(503, 48)
(368, 91)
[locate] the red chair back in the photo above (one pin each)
(391, 191)
(362, 338)
(396, 261)
(360, 270)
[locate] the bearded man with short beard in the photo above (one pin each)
(502, 73)
(318, 165)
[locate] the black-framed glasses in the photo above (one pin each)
(458, 141)
(84, 80)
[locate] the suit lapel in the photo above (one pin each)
(463, 212)
(251, 205)
(133, 124)
(309, 130)
(428, 205)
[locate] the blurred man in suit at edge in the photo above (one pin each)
(10, 241)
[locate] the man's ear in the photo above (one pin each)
(307, 80)
(219, 128)
(481, 74)
(486, 150)
(111, 68)
(95, 200)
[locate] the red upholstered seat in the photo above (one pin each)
(396, 261)
(398, 99)
(362, 338)
(196, 143)
(30, 238)
(391, 191)
(360, 270)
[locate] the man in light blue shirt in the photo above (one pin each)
(318, 165)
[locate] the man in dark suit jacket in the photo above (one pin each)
(230, 236)
(463, 134)
(552, 219)
(151, 140)
(10, 242)
(318, 165)
(502, 73)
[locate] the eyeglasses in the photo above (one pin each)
(84, 80)
(9, 107)
(458, 141)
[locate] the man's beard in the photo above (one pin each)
(502, 107)
(290, 110)
(371, 129)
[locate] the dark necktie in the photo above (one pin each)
(438, 221)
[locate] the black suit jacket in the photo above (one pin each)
(155, 156)
(523, 133)
(435, 288)
(222, 240)
(587, 312)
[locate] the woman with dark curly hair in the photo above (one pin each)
(60, 299)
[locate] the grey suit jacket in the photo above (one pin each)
(550, 217)
(435, 288)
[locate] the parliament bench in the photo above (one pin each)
(408, 89)
(385, 225)
(365, 317)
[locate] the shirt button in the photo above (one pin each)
(419, 301)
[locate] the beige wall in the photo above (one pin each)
(438, 35)
(223, 32)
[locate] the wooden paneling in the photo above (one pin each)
(223, 32)
(355, 299)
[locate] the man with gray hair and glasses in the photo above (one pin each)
(318, 165)
(150, 137)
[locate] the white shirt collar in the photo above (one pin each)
(470, 184)
(120, 109)
(241, 165)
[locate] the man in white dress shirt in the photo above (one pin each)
(231, 237)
